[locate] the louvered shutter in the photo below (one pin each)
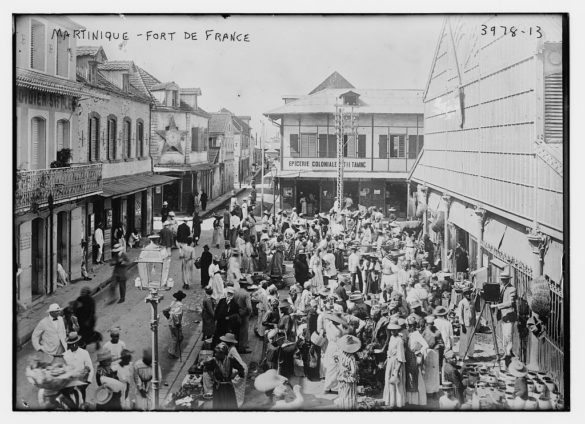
(401, 147)
(128, 138)
(37, 46)
(37, 135)
(294, 145)
(412, 146)
(62, 56)
(332, 146)
(60, 135)
(383, 146)
(553, 108)
(322, 145)
(361, 150)
(94, 137)
(140, 139)
(195, 139)
(312, 153)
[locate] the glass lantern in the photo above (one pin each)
(153, 268)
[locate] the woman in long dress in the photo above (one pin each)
(143, 379)
(217, 231)
(220, 367)
(332, 333)
(316, 265)
(416, 348)
(238, 382)
(394, 379)
(262, 255)
(277, 258)
(187, 255)
(215, 281)
(433, 337)
(250, 254)
(348, 372)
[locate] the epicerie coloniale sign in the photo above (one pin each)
(325, 164)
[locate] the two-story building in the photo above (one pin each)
(243, 155)
(50, 203)
(221, 148)
(380, 146)
(116, 134)
(490, 175)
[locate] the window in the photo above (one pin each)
(39, 141)
(383, 146)
(37, 46)
(361, 147)
(322, 150)
(111, 143)
(294, 145)
(127, 137)
(195, 139)
(204, 139)
(62, 134)
(140, 139)
(175, 98)
(415, 144)
(63, 56)
(331, 146)
(93, 136)
(126, 82)
(308, 145)
(397, 147)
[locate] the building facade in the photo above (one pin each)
(221, 148)
(490, 176)
(379, 150)
(243, 154)
(116, 134)
(54, 177)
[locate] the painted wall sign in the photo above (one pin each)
(328, 164)
(46, 100)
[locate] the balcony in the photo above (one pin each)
(64, 184)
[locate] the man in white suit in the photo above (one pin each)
(50, 336)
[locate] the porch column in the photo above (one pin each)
(446, 204)
(408, 216)
(424, 190)
(480, 213)
(538, 241)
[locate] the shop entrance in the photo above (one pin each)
(351, 190)
(396, 197)
(63, 240)
(310, 191)
(38, 257)
(171, 195)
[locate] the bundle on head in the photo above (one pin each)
(539, 297)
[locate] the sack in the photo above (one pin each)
(198, 263)
(313, 358)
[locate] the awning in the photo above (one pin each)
(464, 218)
(182, 168)
(27, 78)
(515, 243)
(493, 232)
(553, 262)
(434, 201)
(122, 186)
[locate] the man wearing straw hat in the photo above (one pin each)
(506, 311)
(49, 335)
(79, 360)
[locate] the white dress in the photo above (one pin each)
(216, 282)
(331, 368)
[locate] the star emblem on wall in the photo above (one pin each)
(174, 139)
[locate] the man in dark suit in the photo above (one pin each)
(343, 296)
(227, 317)
(242, 299)
(226, 223)
(206, 260)
(183, 232)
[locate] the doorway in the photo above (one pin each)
(171, 195)
(63, 240)
(38, 249)
(309, 189)
(351, 190)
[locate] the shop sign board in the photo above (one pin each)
(327, 164)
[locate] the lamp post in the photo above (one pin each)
(153, 269)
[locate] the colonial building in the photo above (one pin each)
(221, 148)
(490, 176)
(54, 177)
(115, 133)
(243, 153)
(389, 129)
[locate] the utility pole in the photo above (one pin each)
(262, 172)
(340, 117)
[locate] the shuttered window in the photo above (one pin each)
(38, 138)
(62, 134)
(361, 147)
(412, 146)
(322, 145)
(205, 139)
(397, 146)
(140, 139)
(308, 145)
(93, 137)
(111, 143)
(195, 139)
(553, 108)
(349, 147)
(332, 146)
(37, 46)
(294, 145)
(63, 56)
(127, 131)
(383, 146)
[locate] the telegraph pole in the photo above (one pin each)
(340, 164)
(262, 172)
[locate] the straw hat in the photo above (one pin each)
(228, 338)
(517, 368)
(317, 340)
(505, 275)
(440, 311)
(335, 318)
(349, 344)
(394, 325)
(73, 337)
(54, 307)
(103, 395)
(268, 380)
(104, 356)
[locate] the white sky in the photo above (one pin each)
(286, 55)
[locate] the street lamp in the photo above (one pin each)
(153, 270)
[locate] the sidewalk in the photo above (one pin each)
(100, 279)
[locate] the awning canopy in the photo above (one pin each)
(553, 262)
(434, 201)
(122, 186)
(515, 243)
(183, 168)
(493, 232)
(464, 218)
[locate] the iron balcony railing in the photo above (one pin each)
(34, 188)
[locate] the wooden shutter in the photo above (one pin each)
(93, 138)
(294, 145)
(322, 145)
(361, 148)
(128, 138)
(553, 108)
(312, 151)
(111, 139)
(332, 146)
(401, 147)
(195, 139)
(62, 134)
(350, 151)
(38, 133)
(139, 139)
(62, 56)
(383, 146)
(37, 46)
(412, 146)
(304, 145)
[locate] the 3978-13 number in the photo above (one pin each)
(510, 30)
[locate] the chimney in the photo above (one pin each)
(290, 98)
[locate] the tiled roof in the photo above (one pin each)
(105, 85)
(148, 80)
(370, 101)
(87, 50)
(116, 65)
(164, 86)
(218, 122)
(335, 80)
(37, 81)
(194, 90)
(213, 154)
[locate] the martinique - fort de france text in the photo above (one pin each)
(207, 35)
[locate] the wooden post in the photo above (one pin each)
(480, 213)
(447, 203)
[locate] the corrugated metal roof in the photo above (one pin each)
(121, 186)
(370, 101)
(37, 81)
(335, 80)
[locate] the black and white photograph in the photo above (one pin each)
(305, 212)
